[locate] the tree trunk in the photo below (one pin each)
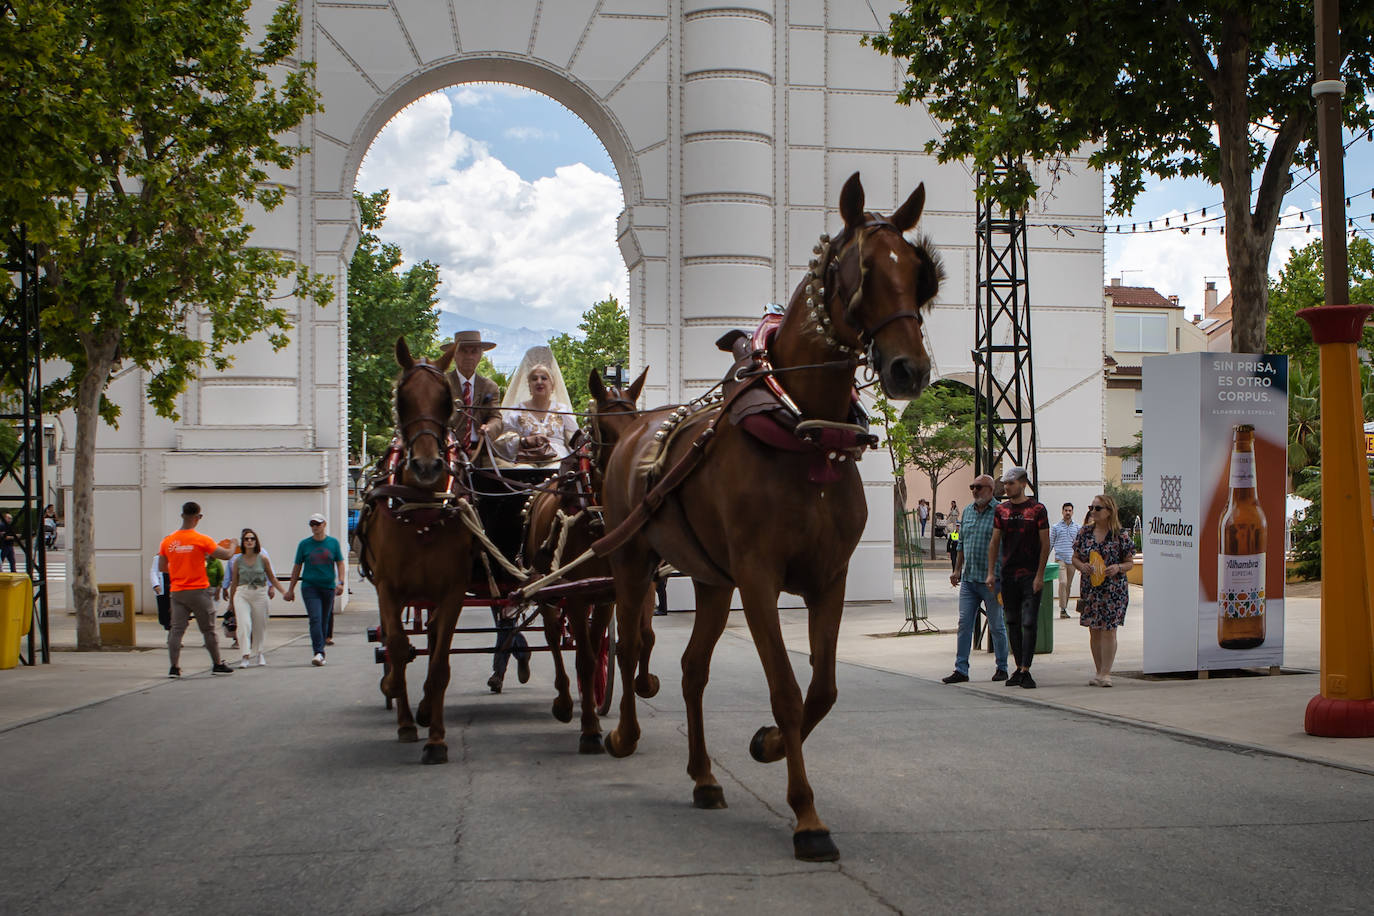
(81, 568)
(934, 491)
(1248, 267)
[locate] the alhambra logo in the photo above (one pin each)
(1170, 494)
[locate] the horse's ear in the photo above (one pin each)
(445, 357)
(908, 213)
(403, 357)
(852, 202)
(637, 386)
(598, 387)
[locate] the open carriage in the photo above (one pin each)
(502, 496)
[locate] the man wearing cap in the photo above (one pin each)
(181, 557)
(476, 399)
(1021, 538)
(318, 558)
(970, 575)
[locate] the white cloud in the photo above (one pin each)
(530, 133)
(510, 251)
(1180, 265)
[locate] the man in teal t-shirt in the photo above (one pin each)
(318, 559)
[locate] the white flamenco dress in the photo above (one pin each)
(557, 425)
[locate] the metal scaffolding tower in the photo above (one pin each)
(22, 459)
(1005, 411)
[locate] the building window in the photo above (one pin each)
(1142, 333)
(1130, 470)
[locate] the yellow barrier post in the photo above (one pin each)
(115, 614)
(16, 615)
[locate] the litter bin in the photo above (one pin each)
(16, 614)
(1044, 633)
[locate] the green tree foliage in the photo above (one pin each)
(603, 339)
(1217, 89)
(936, 435)
(384, 303)
(1300, 285)
(1130, 502)
(137, 134)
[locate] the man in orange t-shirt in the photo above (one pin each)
(182, 557)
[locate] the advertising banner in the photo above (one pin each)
(1214, 481)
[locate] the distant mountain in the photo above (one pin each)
(511, 343)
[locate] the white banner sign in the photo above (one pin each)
(1214, 480)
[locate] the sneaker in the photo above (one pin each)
(262, 660)
(1000, 674)
(1106, 681)
(247, 660)
(318, 660)
(522, 669)
(174, 671)
(221, 668)
(955, 678)
(1015, 679)
(1063, 615)
(1095, 682)
(1027, 681)
(494, 682)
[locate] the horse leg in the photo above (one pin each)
(588, 661)
(398, 657)
(633, 571)
(810, 838)
(713, 611)
(553, 635)
(445, 620)
(824, 610)
(646, 684)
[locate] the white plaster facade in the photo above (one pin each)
(732, 125)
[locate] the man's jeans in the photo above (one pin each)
(319, 607)
(971, 594)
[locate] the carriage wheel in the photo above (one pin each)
(603, 678)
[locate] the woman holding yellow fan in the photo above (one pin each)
(1102, 553)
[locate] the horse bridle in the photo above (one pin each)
(443, 438)
(822, 286)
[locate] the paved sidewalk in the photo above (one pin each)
(1261, 712)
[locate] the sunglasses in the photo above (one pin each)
(978, 486)
(1097, 508)
(316, 524)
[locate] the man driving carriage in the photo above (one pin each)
(476, 399)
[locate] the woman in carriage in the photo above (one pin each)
(536, 412)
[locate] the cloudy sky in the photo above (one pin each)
(511, 195)
(516, 200)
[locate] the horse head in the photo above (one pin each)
(876, 284)
(615, 409)
(423, 407)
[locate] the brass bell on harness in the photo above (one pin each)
(814, 265)
(660, 435)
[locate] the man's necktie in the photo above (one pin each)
(467, 414)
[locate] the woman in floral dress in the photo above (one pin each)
(1102, 553)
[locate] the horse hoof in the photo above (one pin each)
(590, 744)
(814, 846)
(434, 753)
(407, 734)
(709, 797)
(563, 709)
(647, 686)
(756, 749)
(614, 747)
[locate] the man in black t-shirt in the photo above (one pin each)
(1021, 537)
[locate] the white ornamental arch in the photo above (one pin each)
(732, 125)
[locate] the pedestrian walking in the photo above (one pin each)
(1021, 538)
(1103, 552)
(318, 559)
(970, 576)
(1062, 536)
(251, 579)
(183, 555)
(162, 588)
(8, 538)
(923, 514)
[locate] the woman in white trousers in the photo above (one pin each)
(252, 579)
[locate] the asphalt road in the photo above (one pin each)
(282, 790)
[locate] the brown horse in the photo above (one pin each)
(764, 517)
(415, 545)
(561, 523)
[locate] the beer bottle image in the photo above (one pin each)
(1240, 560)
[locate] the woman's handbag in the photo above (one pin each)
(535, 450)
